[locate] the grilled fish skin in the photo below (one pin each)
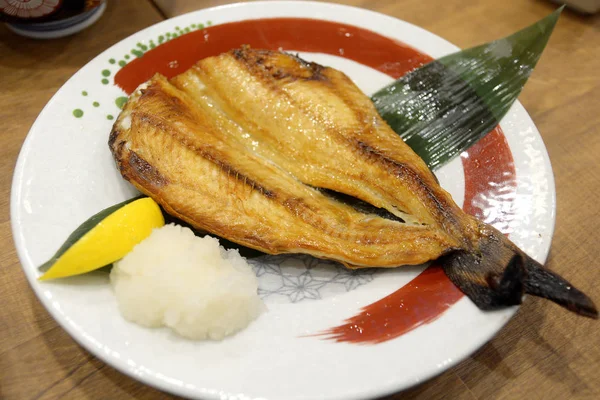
(249, 145)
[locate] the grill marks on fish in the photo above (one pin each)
(438, 205)
(173, 105)
(292, 68)
(310, 222)
(335, 131)
(176, 106)
(146, 171)
(208, 152)
(269, 142)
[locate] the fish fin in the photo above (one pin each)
(510, 285)
(544, 283)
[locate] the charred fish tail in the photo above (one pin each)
(497, 274)
(544, 283)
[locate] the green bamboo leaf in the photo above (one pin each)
(82, 230)
(447, 105)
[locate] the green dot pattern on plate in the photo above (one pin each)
(120, 101)
(138, 51)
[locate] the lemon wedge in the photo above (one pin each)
(105, 238)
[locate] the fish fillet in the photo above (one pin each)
(285, 156)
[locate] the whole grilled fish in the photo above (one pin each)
(263, 148)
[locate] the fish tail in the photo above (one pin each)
(542, 282)
(496, 274)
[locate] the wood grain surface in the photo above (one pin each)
(543, 353)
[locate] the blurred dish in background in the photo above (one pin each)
(583, 6)
(50, 19)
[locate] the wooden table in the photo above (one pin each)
(543, 353)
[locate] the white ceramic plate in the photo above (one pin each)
(65, 174)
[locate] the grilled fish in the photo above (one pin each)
(264, 149)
